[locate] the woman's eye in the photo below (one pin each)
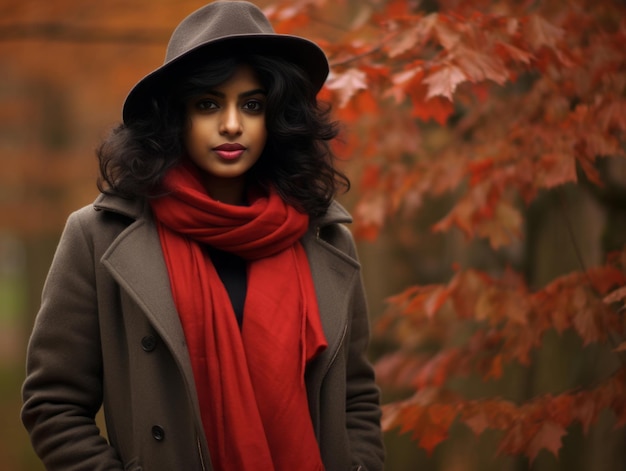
(253, 105)
(205, 105)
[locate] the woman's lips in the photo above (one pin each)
(229, 151)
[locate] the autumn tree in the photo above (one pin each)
(529, 101)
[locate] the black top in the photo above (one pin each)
(232, 271)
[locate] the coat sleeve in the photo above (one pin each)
(62, 391)
(362, 394)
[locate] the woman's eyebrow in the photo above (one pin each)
(256, 91)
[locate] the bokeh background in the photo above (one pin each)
(61, 90)
(65, 69)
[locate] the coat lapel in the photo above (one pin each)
(135, 261)
(333, 274)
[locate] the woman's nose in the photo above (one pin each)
(231, 121)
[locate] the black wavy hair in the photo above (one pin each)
(297, 159)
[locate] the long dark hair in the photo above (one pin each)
(297, 159)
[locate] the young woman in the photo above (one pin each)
(210, 300)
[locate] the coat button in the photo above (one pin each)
(148, 343)
(158, 433)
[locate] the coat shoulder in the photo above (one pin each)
(332, 228)
(102, 221)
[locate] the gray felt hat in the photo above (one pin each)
(218, 28)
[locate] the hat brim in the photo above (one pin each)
(300, 51)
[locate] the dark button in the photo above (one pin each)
(148, 343)
(158, 433)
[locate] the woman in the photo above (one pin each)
(210, 299)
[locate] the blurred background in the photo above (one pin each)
(65, 68)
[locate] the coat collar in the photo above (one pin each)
(132, 208)
(336, 214)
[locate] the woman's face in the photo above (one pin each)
(225, 132)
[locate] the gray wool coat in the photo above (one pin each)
(108, 334)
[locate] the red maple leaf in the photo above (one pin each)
(615, 296)
(347, 84)
(444, 81)
(439, 420)
(548, 437)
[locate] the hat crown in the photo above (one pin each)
(222, 27)
(214, 21)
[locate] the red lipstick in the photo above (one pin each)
(229, 151)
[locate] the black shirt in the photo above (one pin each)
(232, 271)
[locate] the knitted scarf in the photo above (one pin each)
(250, 382)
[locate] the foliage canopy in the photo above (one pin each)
(531, 96)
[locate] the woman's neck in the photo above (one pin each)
(229, 191)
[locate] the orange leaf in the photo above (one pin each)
(397, 8)
(437, 370)
(393, 415)
(411, 419)
(440, 417)
(370, 216)
(477, 422)
(290, 19)
(358, 105)
(429, 441)
(561, 409)
(540, 33)
(548, 437)
(435, 301)
(442, 414)
(479, 66)
(615, 296)
(347, 84)
(447, 32)
(437, 108)
(513, 441)
(408, 38)
(444, 81)
(480, 169)
(585, 410)
(586, 319)
(556, 168)
(495, 368)
(466, 289)
(514, 53)
(403, 42)
(605, 278)
(460, 216)
(404, 81)
(504, 228)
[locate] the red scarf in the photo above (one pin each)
(250, 383)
